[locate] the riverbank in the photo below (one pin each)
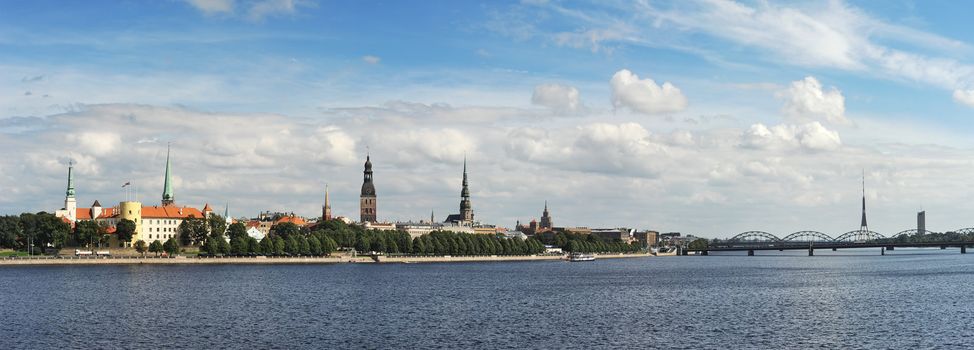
(260, 260)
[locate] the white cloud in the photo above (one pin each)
(96, 143)
(810, 136)
(805, 100)
(211, 7)
(268, 8)
(965, 97)
(644, 95)
(371, 59)
(559, 98)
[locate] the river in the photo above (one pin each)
(910, 298)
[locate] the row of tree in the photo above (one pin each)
(577, 242)
(39, 230)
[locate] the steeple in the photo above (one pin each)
(466, 209)
(167, 196)
(863, 227)
(545, 223)
(326, 209)
(367, 200)
(70, 191)
(226, 211)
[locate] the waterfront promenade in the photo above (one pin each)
(261, 260)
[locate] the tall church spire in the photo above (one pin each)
(70, 191)
(466, 209)
(863, 227)
(367, 200)
(326, 209)
(167, 196)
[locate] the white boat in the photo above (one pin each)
(575, 257)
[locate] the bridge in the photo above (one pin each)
(752, 241)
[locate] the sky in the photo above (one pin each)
(705, 117)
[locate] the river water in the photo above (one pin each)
(917, 298)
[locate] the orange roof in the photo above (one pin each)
(170, 212)
(253, 223)
(83, 214)
(292, 219)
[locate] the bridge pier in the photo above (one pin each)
(833, 249)
(963, 249)
(811, 251)
(750, 252)
(882, 251)
(943, 247)
(890, 248)
(704, 253)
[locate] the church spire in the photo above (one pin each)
(70, 191)
(466, 209)
(167, 196)
(863, 227)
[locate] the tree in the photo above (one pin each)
(252, 245)
(698, 243)
(328, 245)
(124, 230)
(291, 245)
(314, 246)
(216, 225)
(193, 231)
(286, 230)
(304, 248)
(279, 245)
(86, 233)
(236, 230)
(239, 246)
(140, 247)
(267, 245)
(10, 231)
(171, 247)
(156, 247)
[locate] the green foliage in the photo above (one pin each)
(253, 246)
(239, 246)
(583, 243)
(124, 230)
(286, 230)
(237, 230)
(291, 245)
(156, 247)
(279, 245)
(171, 246)
(10, 232)
(193, 231)
(314, 246)
(216, 225)
(267, 245)
(140, 247)
(699, 244)
(87, 233)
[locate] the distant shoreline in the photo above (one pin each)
(66, 261)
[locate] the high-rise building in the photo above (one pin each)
(545, 224)
(367, 199)
(922, 223)
(326, 209)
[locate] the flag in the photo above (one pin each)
(126, 184)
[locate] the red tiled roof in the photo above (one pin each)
(253, 223)
(170, 212)
(292, 219)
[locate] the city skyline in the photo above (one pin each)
(636, 115)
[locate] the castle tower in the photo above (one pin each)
(167, 196)
(367, 204)
(326, 209)
(466, 210)
(70, 203)
(546, 223)
(132, 211)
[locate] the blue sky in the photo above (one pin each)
(707, 117)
